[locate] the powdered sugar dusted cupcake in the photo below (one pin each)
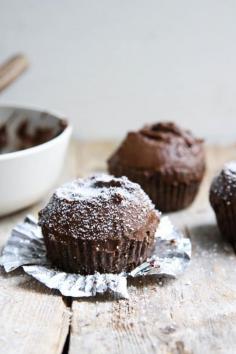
(223, 200)
(99, 224)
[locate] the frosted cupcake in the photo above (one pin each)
(99, 224)
(167, 161)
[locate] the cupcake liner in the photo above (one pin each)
(225, 216)
(166, 195)
(86, 257)
(26, 248)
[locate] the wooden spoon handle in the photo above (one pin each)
(11, 69)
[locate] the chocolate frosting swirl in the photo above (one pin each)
(162, 147)
(97, 208)
(223, 187)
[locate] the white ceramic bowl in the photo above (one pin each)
(26, 175)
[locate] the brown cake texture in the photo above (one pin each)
(167, 161)
(99, 224)
(223, 201)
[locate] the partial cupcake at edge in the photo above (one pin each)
(99, 224)
(223, 201)
(167, 161)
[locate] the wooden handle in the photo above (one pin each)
(11, 69)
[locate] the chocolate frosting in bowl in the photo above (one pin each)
(162, 147)
(20, 131)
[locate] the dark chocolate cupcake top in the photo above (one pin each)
(223, 187)
(97, 208)
(162, 147)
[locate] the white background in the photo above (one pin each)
(113, 65)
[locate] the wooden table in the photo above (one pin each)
(194, 314)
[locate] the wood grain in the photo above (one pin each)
(193, 314)
(33, 319)
(11, 69)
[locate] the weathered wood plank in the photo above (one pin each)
(33, 319)
(193, 314)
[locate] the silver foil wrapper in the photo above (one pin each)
(25, 248)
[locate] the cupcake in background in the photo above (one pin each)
(223, 201)
(167, 161)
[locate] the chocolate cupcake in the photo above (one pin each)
(99, 224)
(223, 201)
(167, 161)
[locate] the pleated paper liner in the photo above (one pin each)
(26, 248)
(226, 220)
